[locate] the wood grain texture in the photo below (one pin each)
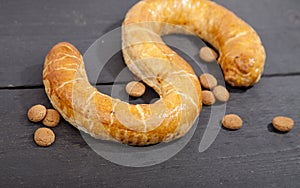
(252, 156)
(29, 29)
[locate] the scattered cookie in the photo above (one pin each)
(207, 54)
(232, 121)
(135, 89)
(221, 93)
(52, 118)
(282, 123)
(44, 136)
(208, 81)
(37, 113)
(208, 98)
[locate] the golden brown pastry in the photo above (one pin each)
(66, 84)
(103, 117)
(242, 55)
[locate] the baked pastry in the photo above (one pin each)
(66, 84)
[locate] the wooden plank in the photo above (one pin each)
(282, 47)
(267, 14)
(252, 156)
(30, 29)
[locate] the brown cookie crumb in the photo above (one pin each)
(208, 81)
(207, 54)
(52, 118)
(282, 123)
(44, 136)
(135, 89)
(208, 98)
(232, 121)
(36, 113)
(221, 93)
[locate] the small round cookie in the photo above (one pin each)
(52, 118)
(232, 121)
(208, 81)
(208, 98)
(37, 113)
(135, 89)
(207, 54)
(221, 93)
(282, 123)
(44, 136)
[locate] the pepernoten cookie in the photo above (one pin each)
(207, 54)
(37, 113)
(44, 136)
(208, 81)
(52, 118)
(221, 93)
(135, 89)
(282, 123)
(232, 121)
(208, 98)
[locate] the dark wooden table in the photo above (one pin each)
(256, 155)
